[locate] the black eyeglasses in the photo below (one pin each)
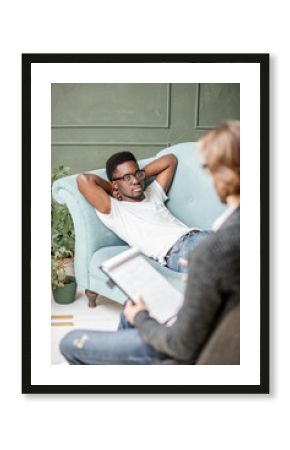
(129, 177)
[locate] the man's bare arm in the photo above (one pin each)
(96, 190)
(163, 169)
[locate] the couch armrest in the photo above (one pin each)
(90, 233)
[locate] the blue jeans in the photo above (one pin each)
(182, 248)
(124, 346)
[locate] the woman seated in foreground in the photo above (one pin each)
(213, 285)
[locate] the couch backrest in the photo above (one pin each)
(192, 197)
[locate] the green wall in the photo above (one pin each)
(92, 121)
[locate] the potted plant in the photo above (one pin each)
(62, 246)
(62, 228)
(63, 285)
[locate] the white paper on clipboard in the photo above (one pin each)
(137, 278)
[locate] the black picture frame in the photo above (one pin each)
(263, 61)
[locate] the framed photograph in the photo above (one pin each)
(78, 112)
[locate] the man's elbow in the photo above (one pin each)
(81, 180)
(173, 160)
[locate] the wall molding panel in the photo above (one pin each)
(164, 125)
(224, 102)
(91, 122)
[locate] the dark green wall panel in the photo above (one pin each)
(216, 103)
(110, 105)
(92, 121)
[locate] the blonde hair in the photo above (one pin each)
(220, 149)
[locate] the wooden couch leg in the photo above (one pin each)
(91, 296)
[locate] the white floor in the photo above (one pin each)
(104, 317)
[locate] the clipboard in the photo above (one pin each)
(135, 276)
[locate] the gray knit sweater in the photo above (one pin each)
(213, 287)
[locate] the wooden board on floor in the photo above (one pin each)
(62, 316)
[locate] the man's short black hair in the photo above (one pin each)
(115, 160)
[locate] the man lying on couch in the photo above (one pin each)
(137, 215)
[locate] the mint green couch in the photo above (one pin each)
(192, 199)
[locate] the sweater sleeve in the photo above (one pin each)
(202, 303)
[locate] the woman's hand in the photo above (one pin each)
(184, 263)
(131, 309)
